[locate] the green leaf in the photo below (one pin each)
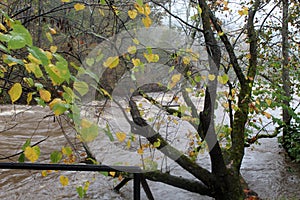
(55, 156)
(21, 158)
(62, 65)
(90, 61)
(3, 48)
(26, 144)
(8, 59)
(20, 37)
(109, 133)
(140, 2)
(89, 130)
(38, 54)
(80, 191)
(59, 72)
(81, 87)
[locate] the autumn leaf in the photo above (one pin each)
(121, 136)
(136, 41)
(186, 60)
(147, 10)
(176, 77)
(79, 6)
(220, 33)
(112, 174)
(29, 97)
(65, 1)
(49, 37)
(147, 21)
(140, 151)
(211, 77)
(58, 106)
(132, 14)
(223, 79)
(139, 8)
(244, 11)
(45, 95)
(136, 62)
(131, 49)
(268, 115)
(15, 92)
(111, 62)
(52, 31)
(53, 49)
(268, 101)
(32, 153)
(151, 57)
(64, 181)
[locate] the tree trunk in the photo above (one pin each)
(286, 118)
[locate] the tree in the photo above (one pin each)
(125, 62)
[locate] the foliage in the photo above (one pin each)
(49, 69)
(293, 142)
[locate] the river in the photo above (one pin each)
(265, 167)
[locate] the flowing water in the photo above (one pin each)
(265, 166)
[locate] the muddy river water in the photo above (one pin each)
(265, 167)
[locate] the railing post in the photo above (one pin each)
(137, 186)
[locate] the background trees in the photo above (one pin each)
(238, 59)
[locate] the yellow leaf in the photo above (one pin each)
(32, 153)
(131, 49)
(140, 151)
(136, 62)
(211, 77)
(186, 60)
(175, 78)
(44, 173)
(136, 41)
(101, 12)
(53, 49)
(79, 6)
(128, 145)
(151, 57)
(59, 108)
(49, 37)
(223, 79)
(220, 33)
(112, 174)
(34, 59)
(111, 62)
(139, 8)
(147, 10)
(244, 11)
(121, 136)
(64, 181)
(132, 14)
(54, 101)
(268, 101)
(268, 115)
(2, 27)
(15, 92)
(29, 97)
(147, 21)
(52, 31)
(65, 1)
(45, 95)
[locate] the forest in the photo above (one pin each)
(161, 81)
